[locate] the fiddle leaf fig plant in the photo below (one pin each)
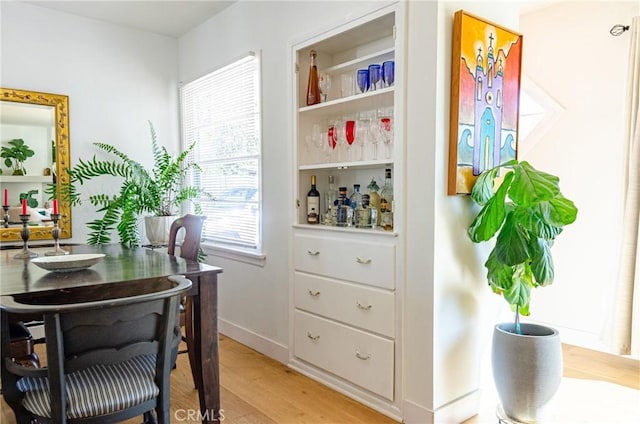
(15, 155)
(525, 213)
(158, 191)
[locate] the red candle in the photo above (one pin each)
(24, 206)
(6, 197)
(55, 206)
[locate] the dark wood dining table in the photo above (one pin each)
(122, 266)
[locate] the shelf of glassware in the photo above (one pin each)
(314, 121)
(382, 97)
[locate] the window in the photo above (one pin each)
(221, 114)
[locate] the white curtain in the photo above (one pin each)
(623, 333)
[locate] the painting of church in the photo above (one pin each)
(485, 95)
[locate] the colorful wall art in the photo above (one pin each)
(485, 92)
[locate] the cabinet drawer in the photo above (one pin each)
(362, 358)
(364, 307)
(367, 263)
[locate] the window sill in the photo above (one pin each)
(235, 254)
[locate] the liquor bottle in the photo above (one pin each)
(374, 202)
(386, 202)
(313, 85)
(313, 203)
(330, 195)
(344, 212)
(363, 213)
(355, 200)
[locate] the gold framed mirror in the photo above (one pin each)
(41, 120)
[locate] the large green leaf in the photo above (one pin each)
(541, 262)
(533, 219)
(492, 214)
(561, 211)
(520, 292)
(512, 244)
(482, 190)
(499, 275)
(530, 185)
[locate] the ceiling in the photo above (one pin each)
(170, 18)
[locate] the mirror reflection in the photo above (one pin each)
(34, 151)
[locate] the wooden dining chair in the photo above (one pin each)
(189, 249)
(109, 353)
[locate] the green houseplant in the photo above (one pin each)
(525, 213)
(15, 155)
(157, 192)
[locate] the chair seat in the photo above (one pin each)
(98, 390)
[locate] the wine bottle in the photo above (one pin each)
(313, 203)
(313, 85)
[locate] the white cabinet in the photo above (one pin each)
(346, 281)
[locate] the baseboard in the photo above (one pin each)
(456, 411)
(412, 413)
(254, 340)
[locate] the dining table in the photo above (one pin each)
(117, 272)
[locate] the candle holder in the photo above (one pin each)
(25, 233)
(6, 215)
(55, 233)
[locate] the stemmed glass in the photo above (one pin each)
(332, 138)
(324, 82)
(374, 76)
(362, 136)
(385, 122)
(375, 135)
(347, 135)
(362, 80)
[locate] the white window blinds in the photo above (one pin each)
(221, 114)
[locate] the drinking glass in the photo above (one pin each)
(346, 138)
(316, 142)
(388, 72)
(375, 135)
(346, 85)
(362, 136)
(363, 80)
(385, 122)
(324, 82)
(332, 139)
(374, 76)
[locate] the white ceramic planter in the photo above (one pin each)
(527, 369)
(157, 229)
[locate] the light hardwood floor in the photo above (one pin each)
(258, 390)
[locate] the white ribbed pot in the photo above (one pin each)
(157, 229)
(527, 369)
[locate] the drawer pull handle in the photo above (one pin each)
(312, 337)
(361, 356)
(314, 294)
(313, 253)
(363, 261)
(361, 306)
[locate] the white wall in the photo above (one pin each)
(570, 54)
(449, 310)
(116, 79)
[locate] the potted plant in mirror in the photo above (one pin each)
(15, 155)
(525, 213)
(157, 193)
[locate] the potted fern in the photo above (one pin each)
(525, 213)
(157, 193)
